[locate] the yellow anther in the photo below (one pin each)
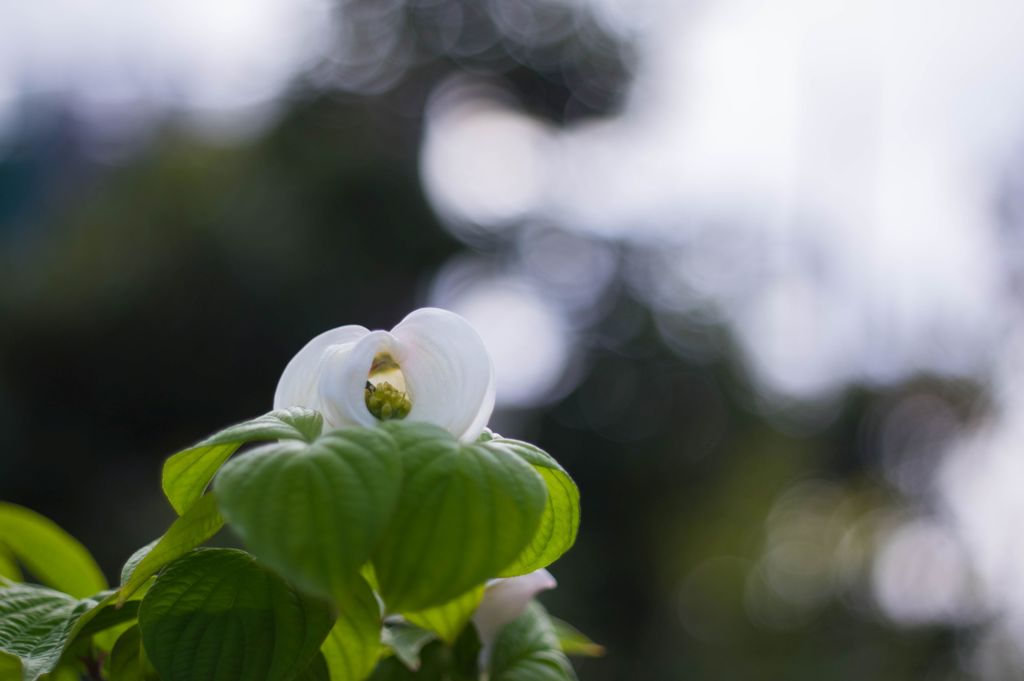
(387, 402)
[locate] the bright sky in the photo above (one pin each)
(107, 57)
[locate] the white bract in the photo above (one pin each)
(433, 356)
(505, 600)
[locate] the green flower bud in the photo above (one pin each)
(387, 402)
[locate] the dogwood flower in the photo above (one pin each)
(505, 600)
(432, 367)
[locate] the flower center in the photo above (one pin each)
(385, 389)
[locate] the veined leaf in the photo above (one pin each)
(187, 473)
(449, 619)
(216, 614)
(561, 520)
(197, 525)
(37, 624)
(353, 645)
(465, 513)
(314, 512)
(527, 649)
(48, 552)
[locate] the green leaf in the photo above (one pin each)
(436, 662)
(406, 642)
(314, 512)
(527, 649)
(464, 662)
(37, 624)
(187, 473)
(133, 560)
(449, 619)
(125, 664)
(105, 640)
(48, 552)
(217, 614)
(465, 513)
(101, 625)
(316, 671)
(561, 520)
(105, 615)
(575, 642)
(353, 645)
(128, 660)
(9, 567)
(393, 669)
(433, 666)
(190, 530)
(65, 672)
(10, 668)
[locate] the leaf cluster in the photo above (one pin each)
(367, 552)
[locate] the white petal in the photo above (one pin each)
(343, 377)
(448, 372)
(298, 384)
(506, 599)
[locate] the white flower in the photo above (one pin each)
(506, 599)
(433, 356)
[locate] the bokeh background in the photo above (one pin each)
(752, 271)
